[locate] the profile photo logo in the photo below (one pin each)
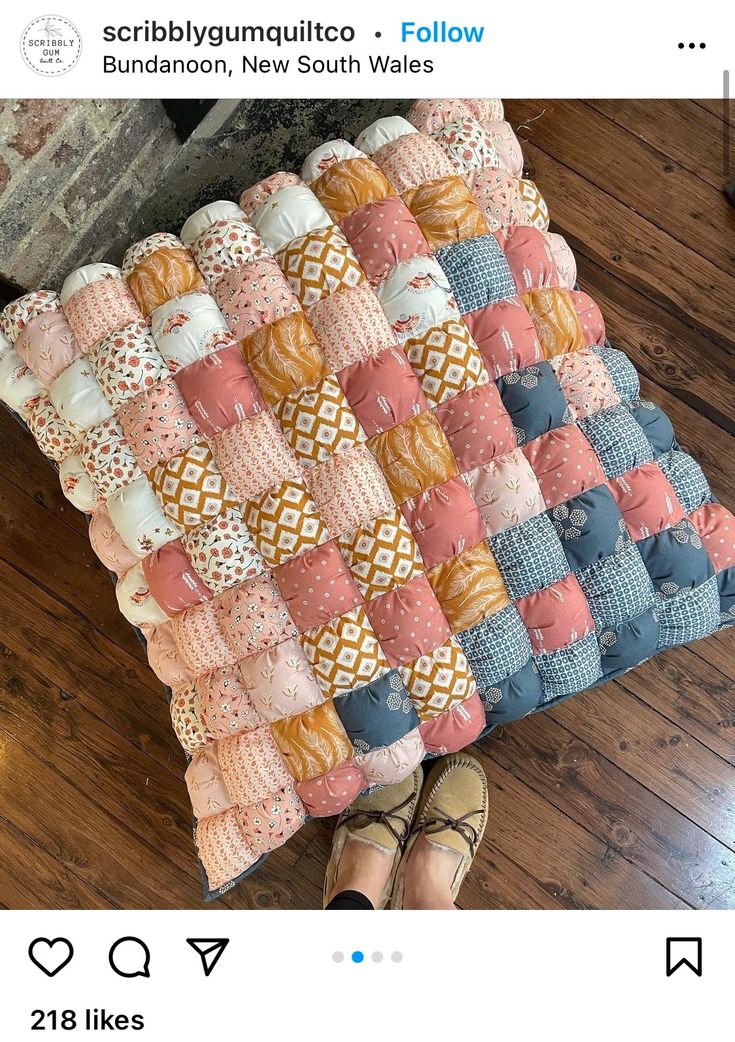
(51, 45)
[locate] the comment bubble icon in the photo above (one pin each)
(130, 957)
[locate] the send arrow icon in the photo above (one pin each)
(684, 951)
(209, 950)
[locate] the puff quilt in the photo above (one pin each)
(369, 474)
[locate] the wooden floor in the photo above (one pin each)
(620, 798)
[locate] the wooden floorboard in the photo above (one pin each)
(622, 797)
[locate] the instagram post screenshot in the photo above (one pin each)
(367, 519)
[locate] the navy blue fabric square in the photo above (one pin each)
(617, 587)
(529, 556)
(496, 647)
(686, 478)
(570, 669)
(627, 645)
(590, 527)
(535, 401)
(617, 439)
(477, 272)
(516, 696)
(689, 615)
(655, 424)
(378, 714)
(726, 586)
(676, 559)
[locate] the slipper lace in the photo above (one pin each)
(462, 826)
(361, 819)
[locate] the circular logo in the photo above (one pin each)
(51, 45)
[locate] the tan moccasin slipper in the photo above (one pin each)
(382, 818)
(452, 814)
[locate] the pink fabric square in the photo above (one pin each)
(456, 728)
(444, 520)
(646, 500)
(207, 790)
(254, 295)
(201, 638)
(331, 793)
(529, 257)
(506, 491)
(557, 616)
(225, 705)
(317, 586)
(383, 234)
(222, 848)
(585, 382)
(171, 579)
(158, 424)
(716, 527)
(590, 318)
(269, 823)
(505, 336)
(254, 616)
(165, 659)
(564, 463)
(252, 766)
(498, 197)
(100, 308)
(566, 265)
(506, 145)
(383, 391)
(408, 621)
(412, 160)
(280, 682)
(393, 763)
(349, 489)
(254, 455)
(186, 719)
(477, 425)
(259, 193)
(107, 544)
(219, 390)
(350, 326)
(48, 346)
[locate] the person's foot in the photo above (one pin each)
(450, 824)
(369, 838)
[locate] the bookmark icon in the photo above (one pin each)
(209, 950)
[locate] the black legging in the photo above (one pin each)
(350, 901)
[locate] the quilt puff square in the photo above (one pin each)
(655, 424)
(415, 296)
(444, 520)
(224, 702)
(564, 464)
(458, 727)
(383, 390)
(254, 295)
(414, 456)
(445, 211)
(408, 621)
(496, 648)
(253, 454)
(291, 211)
(77, 396)
(534, 400)
(377, 714)
(585, 382)
(477, 272)
(529, 556)
(349, 489)
(136, 513)
(715, 526)
(689, 615)
(498, 197)
(284, 521)
(191, 488)
(47, 345)
(269, 823)
(389, 764)
(127, 363)
(381, 553)
(312, 743)
(252, 766)
(284, 357)
(222, 551)
(56, 437)
(619, 442)
(318, 422)
(570, 669)
(411, 160)
(99, 308)
(623, 373)
(529, 258)
(108, 458)
(350, 184)
(158, 424)
(279, 681)
(506, 491)
(317, 586)
(589, 527)
(254, 616)
(222, 849)
(676, 559)
(333, 792)
(446, 361)
(382, 234)
(646, 500)
(186, 718)
(556, 616)
(617, 587)
(628, 644)
(219, 390)
(439, 681)
(202, 639)
(162, 275)
(467, 144)
(171, 579)
(505, 336)
(225, 244)
(344, 653)
(204, 782)
(351, 327)
(590, 318)
(319, 264)
(555, 318)
(469, 587)
(188, 328)
(686, 478)
(514, 697)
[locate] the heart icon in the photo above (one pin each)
(51, 956)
